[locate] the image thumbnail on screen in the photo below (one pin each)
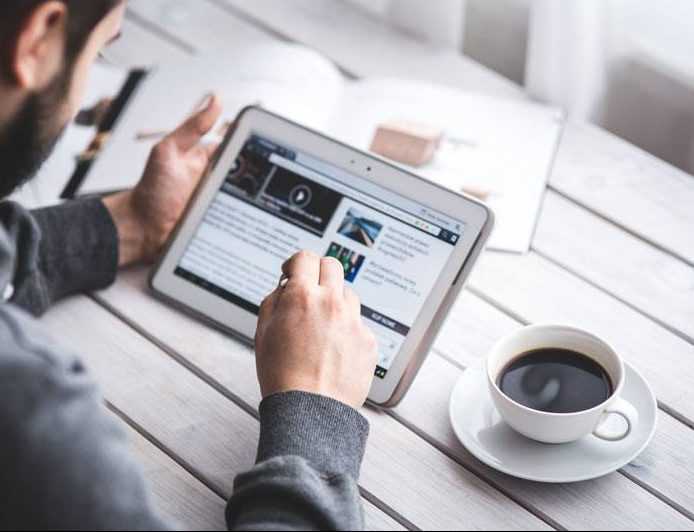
(359, 228)
(351, 261)
(249, 174)
(256, 179)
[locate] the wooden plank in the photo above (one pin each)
(475, 328)
(444, 494)
(377, 520)
(628, 186)
(662, 468)
(655, 282)
(178, 496)
(624, 184)
(540, 291)
(215, 437)
(667, 463)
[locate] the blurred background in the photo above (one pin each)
(626, 65)
(623, 65)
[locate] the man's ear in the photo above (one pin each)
(38, 52)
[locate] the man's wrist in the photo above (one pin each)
(132, 235)
(328, 434)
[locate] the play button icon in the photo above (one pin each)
(301, 196)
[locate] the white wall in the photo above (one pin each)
(496, 35)
(649, 91)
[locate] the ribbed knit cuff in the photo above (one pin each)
(79, 247)
(330, 435)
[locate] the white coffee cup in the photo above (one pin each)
(547, 427)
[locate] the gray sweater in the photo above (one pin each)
(64, 462)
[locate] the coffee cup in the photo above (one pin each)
(554, 427)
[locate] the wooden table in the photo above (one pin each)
(614, 253)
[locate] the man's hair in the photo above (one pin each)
(83, 16)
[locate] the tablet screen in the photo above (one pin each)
(276, 201)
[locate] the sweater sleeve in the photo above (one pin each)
(309, 456)
(56, 252)
(66, 464)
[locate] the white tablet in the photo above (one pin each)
(407, 245)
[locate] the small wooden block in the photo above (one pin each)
(477, 192)
(407, 142)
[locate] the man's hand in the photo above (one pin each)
(311, 337)
(146, 215)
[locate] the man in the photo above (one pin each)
(63, 461)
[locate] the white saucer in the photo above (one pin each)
(481, 430)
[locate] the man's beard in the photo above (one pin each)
(30, 137)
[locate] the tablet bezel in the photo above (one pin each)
(241, 323)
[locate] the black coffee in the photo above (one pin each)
(553, 380)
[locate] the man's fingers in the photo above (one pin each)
(211, 149)
(268, 307)
(304, 266)
(267, 310)
(332, 273)
(353, 301)
(188, 134)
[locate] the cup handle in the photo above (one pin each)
(627, 412)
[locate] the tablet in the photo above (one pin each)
(407, 245)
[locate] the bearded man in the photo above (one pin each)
(64, 463)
